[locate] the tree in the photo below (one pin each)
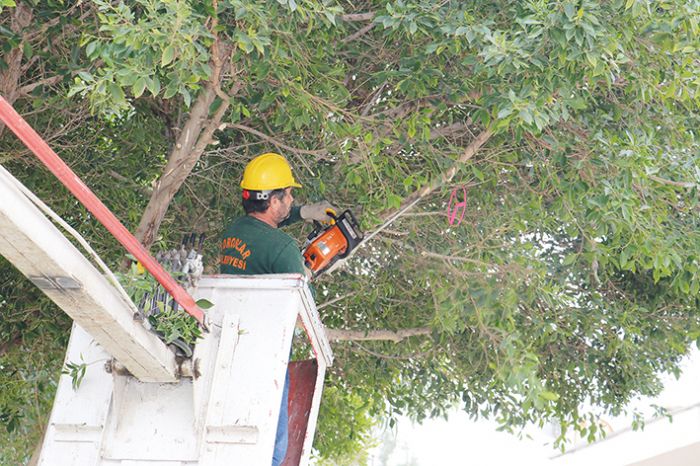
(573, 275)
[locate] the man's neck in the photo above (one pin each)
(265, 217)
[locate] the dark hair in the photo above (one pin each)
(254, 205)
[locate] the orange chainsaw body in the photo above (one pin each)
(325, 248)
(336, 241)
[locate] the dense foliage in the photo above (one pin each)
(572, 279)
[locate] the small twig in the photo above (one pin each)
(142, 189)
(359, 33)
(435, 255)
(680, 184)
(375, 95)
(274, 141)
(335, 300)
(390, 356)
(395, 233)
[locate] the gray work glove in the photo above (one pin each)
(317, 211)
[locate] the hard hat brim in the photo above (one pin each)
(251, 188)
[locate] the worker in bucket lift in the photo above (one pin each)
(253, 244)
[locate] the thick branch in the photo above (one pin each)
(390, 216)
(25, 90)
(180, 164)
(354, 17)
(376, 335)
(449, 130)
(445, 178)
(9, 77)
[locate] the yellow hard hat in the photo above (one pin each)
(267, 172)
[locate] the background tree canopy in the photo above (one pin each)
(573, 278)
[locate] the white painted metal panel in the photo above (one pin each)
(251, 407)
(39, 250)
(152, 421)
(227, 415)
(74, 433)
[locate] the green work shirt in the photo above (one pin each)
(252, 247)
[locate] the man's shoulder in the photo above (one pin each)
(257, 230)
(244, 222)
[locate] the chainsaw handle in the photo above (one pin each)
(333, 215)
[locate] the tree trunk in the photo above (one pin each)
(34, 460)
(9, 78)
(196, 135)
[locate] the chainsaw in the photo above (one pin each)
(328, 243)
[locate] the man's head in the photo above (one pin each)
(267, 187)
(277, 203)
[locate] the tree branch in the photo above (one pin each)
(680, 184)
(376, 335)
(335, 300)
(142, 189)
(355, 17)
(445, 178)
(390, 216)
(196, 135)
(25, 90)
(274, 141)
(449, 130)
(359, 33)
(390, 356)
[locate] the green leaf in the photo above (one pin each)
(330, 17)
(27, 50)
(570, 10)
(153, 85)
(570, 259)
(504, 112)
(204, 304)
(139, 86)
(526, 115)
(116, 92)
(547, 395)
(186, 97)
(170, 91)
(85, 76)
(91, 49)
(168, 55)
(393, 201)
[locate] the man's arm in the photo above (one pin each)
(289, 260)
(309, 212)
(294, 216)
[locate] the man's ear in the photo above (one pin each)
(274, 202)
